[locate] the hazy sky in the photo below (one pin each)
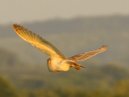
(32, 10)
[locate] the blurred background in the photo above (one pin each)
(73, 26)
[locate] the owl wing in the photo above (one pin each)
(88, 55)
(37, 41)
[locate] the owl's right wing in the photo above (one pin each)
(37, 41)
(88, 55)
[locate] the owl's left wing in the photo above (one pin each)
(88, 55)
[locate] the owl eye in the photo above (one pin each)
(49, 61)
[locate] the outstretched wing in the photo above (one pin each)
(88, 55)
(37, 41)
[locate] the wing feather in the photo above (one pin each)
(88, 55)
(37, 41)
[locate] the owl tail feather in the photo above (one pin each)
(77, 66)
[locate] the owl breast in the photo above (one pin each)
(57, 65)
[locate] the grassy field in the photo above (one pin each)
(108, 80)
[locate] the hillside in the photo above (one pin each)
(109, 80)
(104, 76)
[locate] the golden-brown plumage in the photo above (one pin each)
(57, 61)
(88, 55)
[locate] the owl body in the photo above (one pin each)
(58, 65)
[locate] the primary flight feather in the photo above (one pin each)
(57, 61)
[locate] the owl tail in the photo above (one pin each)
(77, 66)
